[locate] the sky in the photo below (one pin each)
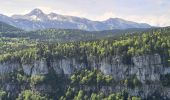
(153, 12)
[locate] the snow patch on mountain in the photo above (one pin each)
(37, 19)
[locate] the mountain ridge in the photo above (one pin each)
(37, 19)
(8, 28)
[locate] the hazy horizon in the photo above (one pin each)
(153, 12)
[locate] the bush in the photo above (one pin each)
(3, 95)
(30, 95)
(36, 79)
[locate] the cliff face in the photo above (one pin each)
(147, 69)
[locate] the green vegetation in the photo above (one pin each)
(52, 45)
(8, 28)
(35, 79)
(3, 95)
(154, 42)
(95, 79)
(132, 81)
(30, 95)
(64, 88)
(91, 78)
(61, 35)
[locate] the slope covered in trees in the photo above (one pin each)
(64, 35)
(156, 41)
(8, 28)
(26, 50)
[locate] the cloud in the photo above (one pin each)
(161, 20)
(69, 13)
(45, 9)
(106, 16)
(159, 2)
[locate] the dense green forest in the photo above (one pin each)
(62, 35)
(156, 41)
(26, 47)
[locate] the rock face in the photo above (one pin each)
(145, 68)
(36, 19)
(7, 67)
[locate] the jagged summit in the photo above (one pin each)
(41, 20)
(34, 15)
(36, 11)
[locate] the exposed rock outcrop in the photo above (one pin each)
(145, 68)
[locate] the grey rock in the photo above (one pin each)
(36, 19)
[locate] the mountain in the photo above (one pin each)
(37, 19)
(7, 28)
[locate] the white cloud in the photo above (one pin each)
(71, 13)
(45, 9)
(155, 20)
(159, 2)
(106, 16)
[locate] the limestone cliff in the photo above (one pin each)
(147, 68)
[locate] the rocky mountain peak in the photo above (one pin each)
(52, 14)
(53, 20)
(36, 11)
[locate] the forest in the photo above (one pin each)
(51, 45)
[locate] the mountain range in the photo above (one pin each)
(37, 19)
(8, 28)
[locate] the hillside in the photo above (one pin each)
(131, 66)
(69, 35)
(8, 28)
